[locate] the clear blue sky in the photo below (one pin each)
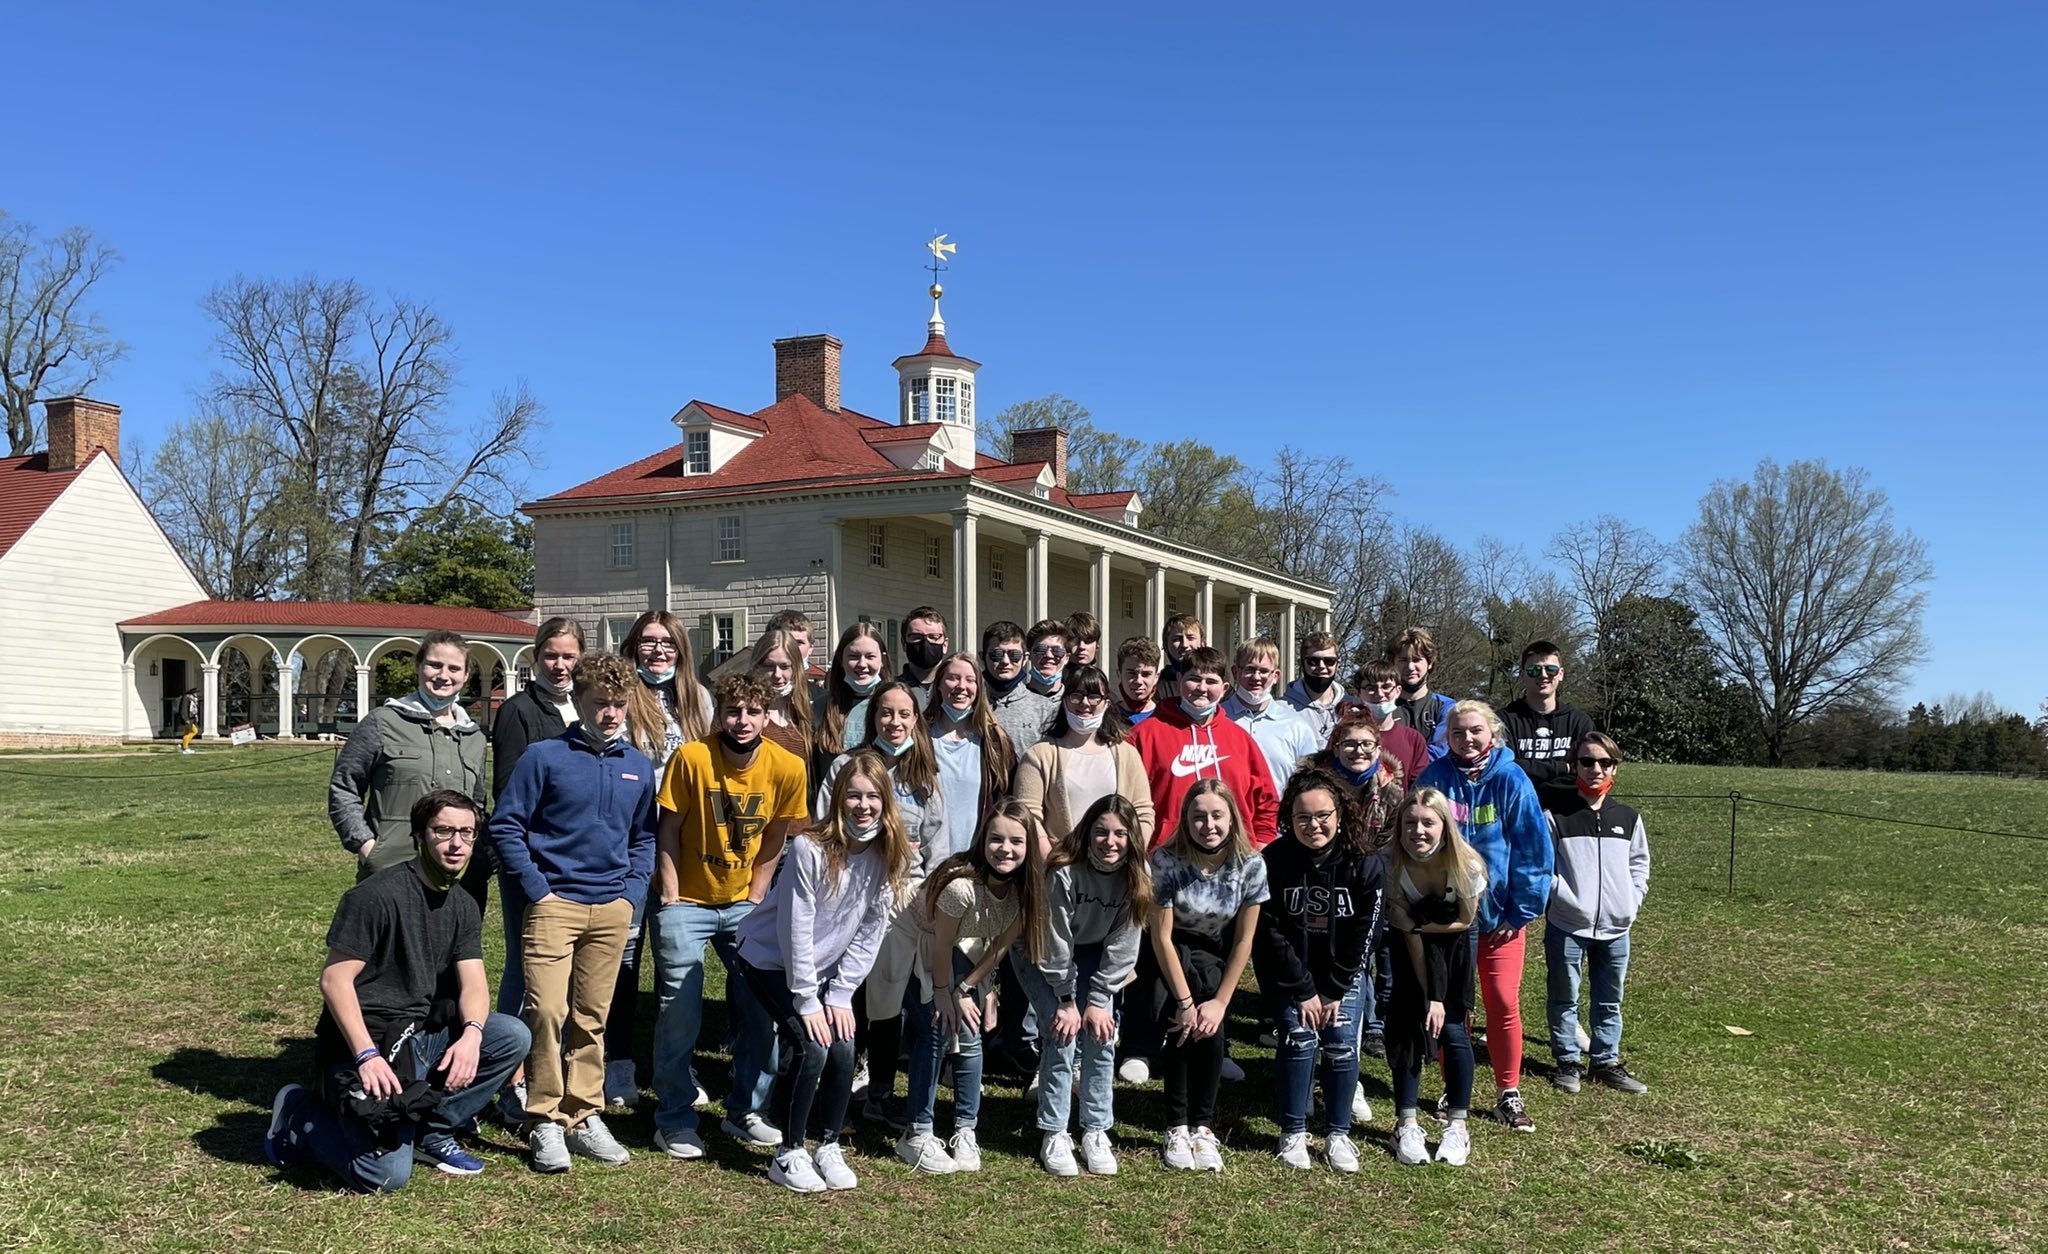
(1576, 258)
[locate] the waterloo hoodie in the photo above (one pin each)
(1177, 752)
(1326, 912)
(1603, 869)
(1504, 822)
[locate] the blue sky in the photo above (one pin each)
(1529, 263)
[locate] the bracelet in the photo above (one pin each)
(478, 1024)
(367, 1054)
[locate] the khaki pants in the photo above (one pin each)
(570, 956)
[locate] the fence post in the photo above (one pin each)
(1734, 806)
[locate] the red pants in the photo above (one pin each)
(1500, 991)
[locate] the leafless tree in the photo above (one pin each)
(212, 485)
(51, 342)
(1097, 460)
(1810, 594)
(1319, 519)
(1605, 561)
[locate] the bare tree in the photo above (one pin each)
(1604, 562)
(1807, 590)
(1097, 460)
(1319, 519)
(212, 485)
(51, 343)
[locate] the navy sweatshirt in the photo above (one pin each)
(578, 820)
(1324, 916)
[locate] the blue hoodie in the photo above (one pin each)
(577, 820)
(1504, 822)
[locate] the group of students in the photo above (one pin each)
(1012, 849)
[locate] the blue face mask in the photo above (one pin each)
(434, 703)
(957, 716)
(1197, 710)
(894, 751)
(657, 677)
(861, 689)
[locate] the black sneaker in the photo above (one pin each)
(1567, 1077)
(1616, 1077)
(1511, 1112)
(1373, 1045)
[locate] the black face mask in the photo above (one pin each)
(1003, 877)
(923, 654)
(1317, 684)
(739, 747)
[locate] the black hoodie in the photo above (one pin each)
(1325, 915)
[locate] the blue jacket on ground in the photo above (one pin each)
(1504, 822)
(577, 820)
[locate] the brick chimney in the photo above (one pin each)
(1043, 444)
(808, 364)
(77, 426)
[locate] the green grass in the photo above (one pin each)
(160, 935)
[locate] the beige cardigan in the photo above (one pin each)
(1041, 784)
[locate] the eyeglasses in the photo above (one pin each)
(917, 637)
(1320, 663)
(1596, 764)
(658, 644)
(1318, 818)
(1358, 746)
(1004, 655)
(1049, 653)
(1087, 700)
(1545, 671)
(467, 835)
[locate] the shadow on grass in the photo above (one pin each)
(237, 1135)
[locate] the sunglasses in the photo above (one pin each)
(1545, 671)
(1005, 655)
(1597, 764)
(1320, 663)
(1050, 652)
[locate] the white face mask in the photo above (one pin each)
(1197, 710)
(1084, 722)
(862, 835)
(1383, 709)
(783, 690)
(1255, 700)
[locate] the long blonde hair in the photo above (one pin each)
(997, 758)
(891, 844)
(799, 694)
(1467, 873)
(840, 698)
(1236, 846)
(646, 717)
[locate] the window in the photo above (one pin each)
(1130, 599)
(729, 546)
(615, 630)
(877, 555)
(697, 451)
(918, 406)
(948, 403)
(967, 400)
(724, 629)
(995, 569)
(1172, 604)
(932, 558)
(622, 546)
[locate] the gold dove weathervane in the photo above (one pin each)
(939, 248)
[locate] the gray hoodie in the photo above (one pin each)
(1086, 907)
(1602, 870)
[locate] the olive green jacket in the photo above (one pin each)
(393, 758)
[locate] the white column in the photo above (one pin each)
(209, 704)
(512, 684)
(966, 579)
(1037, 592)
(1155, 599)
(1327, 621)
(835, 563)
(1098, 587)
(1290, 665)
(284, 697)
(1205, 605)
(1247, 615)
(666, 599)
(362, 693)
(129, 698)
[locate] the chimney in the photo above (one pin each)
(1043, 444)
(808, 364)
(77, 426)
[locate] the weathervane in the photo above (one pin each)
(938, 248)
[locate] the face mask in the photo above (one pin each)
(923, 654)
(1251, 700)
(740, 747)
(1426, 858)
(783, 690)
(1105, 867)
(1316, 685)
(434, 703)
(596, 736)
(1004, 877)
(652, 676)
(1596, 789)
(1047, 684)
(957, 715)
(894, 751)
(1197, 710)
(1002, 686)
(539, 683)
(1084, 722)
(861, 836)
(1381, 709)
(1358, 779)
(1474, 762)
(861, 688)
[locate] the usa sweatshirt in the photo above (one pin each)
(1177, 752)
(1325, 913)
(1084, 906)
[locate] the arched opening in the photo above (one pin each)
(323, 686)
(248, 684)
(165, 668)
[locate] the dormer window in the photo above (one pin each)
(949, 401)
(697, 452)
(918, 404)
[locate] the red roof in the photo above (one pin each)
(934, 346)
(896, 435)
(1101, 500)
(733, 416)
(28, 487)
(336, 615)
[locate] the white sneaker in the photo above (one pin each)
(1341, 1153)
(966, 1150)
(593, 1140)
(1410, 1148)
(188, 752)
(792, 1169)
(1056, 1154)
(702, 1101)
(1179, 1150)
(1230, 1073)
(621, 1085)
(684, 1144)
(1208, 1154)
(1294, 1150)
(859, 1091)
(923, 1152)
(831, 1164)
(751, 1127)
(1361, 1109)
(1097, 1154)
(1031, 1089)
(1456, 1147)
(550, 1154)
(1134, 1070)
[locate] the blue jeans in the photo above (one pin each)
(512, 985)
(1056, 1062)
(681, 932)
(1294, 1063)
(313, 1133)
(1607, 966)
(1379, 990)
(928, 1050)
(809, 1075)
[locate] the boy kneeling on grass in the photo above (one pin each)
(1602, 876)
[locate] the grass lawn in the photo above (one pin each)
(161, 926)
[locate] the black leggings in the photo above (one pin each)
(807, 1074)
(1191, 1070)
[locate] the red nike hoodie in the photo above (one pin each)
(1176, 753)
